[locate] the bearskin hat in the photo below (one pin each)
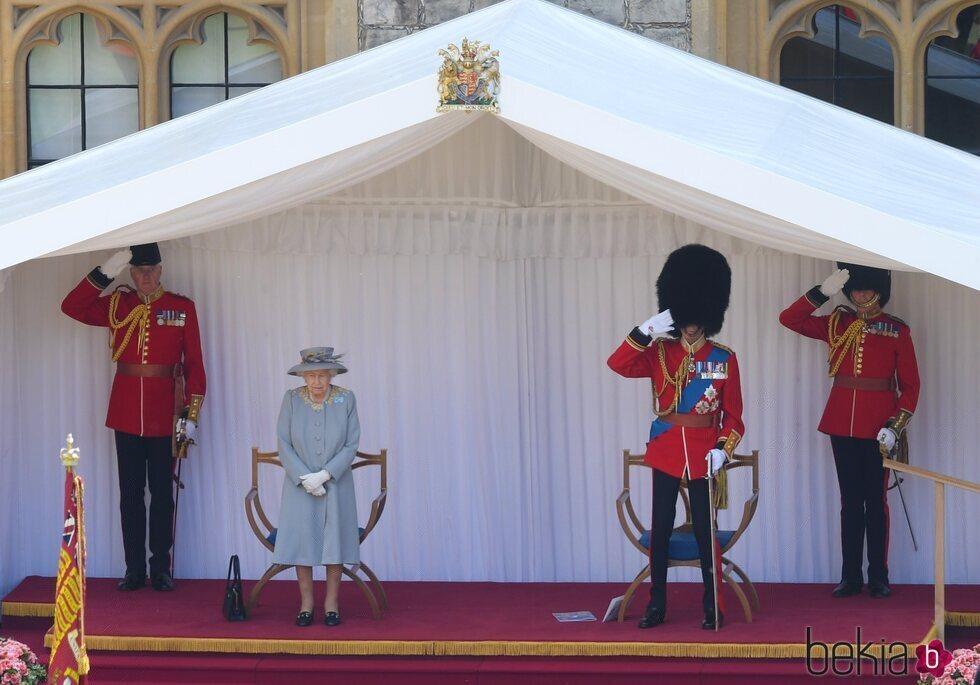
(695, 285)
(868, 278)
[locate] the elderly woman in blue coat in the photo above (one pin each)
(318, 435)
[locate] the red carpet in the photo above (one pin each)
(471, 632)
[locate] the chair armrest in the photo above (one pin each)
(253, 509)
(748, 512)
(624, 509)
(377, 508)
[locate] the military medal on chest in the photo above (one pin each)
(171, 317)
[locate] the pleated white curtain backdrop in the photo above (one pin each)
(476, 340)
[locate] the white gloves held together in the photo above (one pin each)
(888, 437)
(716, 459)
(834, 283)
(658, 324)
(313, 483)
(114, 266)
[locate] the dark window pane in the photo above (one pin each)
(838, 66)
(872, 97)
(952, 98)
(803, 57)
(822, 89)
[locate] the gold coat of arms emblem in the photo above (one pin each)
(469, 78)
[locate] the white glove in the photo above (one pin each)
(888, 438)
(190, 431)
(319, 492)
(116, 263)
(834, 283)
(657, 324)
(716, 459)
(312, 481)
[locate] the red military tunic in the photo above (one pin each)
(166, 335)
(681, 450)
(881, 349)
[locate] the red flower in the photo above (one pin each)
(932, 658)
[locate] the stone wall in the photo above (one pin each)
(666, 21)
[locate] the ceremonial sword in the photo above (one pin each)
(898, 484)
(715, 585)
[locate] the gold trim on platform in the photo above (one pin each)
(31, 609)
(459, 647)
(963, 619)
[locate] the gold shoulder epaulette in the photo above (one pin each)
(724, 347)
(845, 308)
(123, 288)
(895, 318)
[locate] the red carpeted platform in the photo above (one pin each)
(454, 632)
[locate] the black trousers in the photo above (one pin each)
(863, 507)
(665, 491)
(140, 461)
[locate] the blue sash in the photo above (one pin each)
(691, 395)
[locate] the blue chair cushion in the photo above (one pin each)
(271, 537)
(684, 547)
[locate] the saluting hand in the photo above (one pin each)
(114, 266)
(658, 324)
(834, 283)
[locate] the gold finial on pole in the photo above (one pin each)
(69, 453)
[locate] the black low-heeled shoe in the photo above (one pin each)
(709, 620)
(332, 619)
(652, 617)
(879, 590)
(847, 588)
(304, 619)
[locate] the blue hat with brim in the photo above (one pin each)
(317, 359)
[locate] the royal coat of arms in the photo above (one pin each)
(469, 78)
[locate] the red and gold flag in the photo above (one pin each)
(69, 662)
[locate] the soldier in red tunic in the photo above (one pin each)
(156, 345)
(697, 399)
(875, 392)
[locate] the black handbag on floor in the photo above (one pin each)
(234, 606)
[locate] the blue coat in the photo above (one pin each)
(314, 531)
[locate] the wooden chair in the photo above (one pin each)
(682, 549)
(265, 531)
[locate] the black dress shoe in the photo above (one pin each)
(846, 588)
(304, 619)
(653, 617)
(879, 590)
(131, 582)
(709, 620)
(332, 618)
(163, 582)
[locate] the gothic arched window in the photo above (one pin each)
(952, 98)
(80, 92)
(223, 66)
(837, 66)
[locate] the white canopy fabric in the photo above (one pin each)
(706, 142)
